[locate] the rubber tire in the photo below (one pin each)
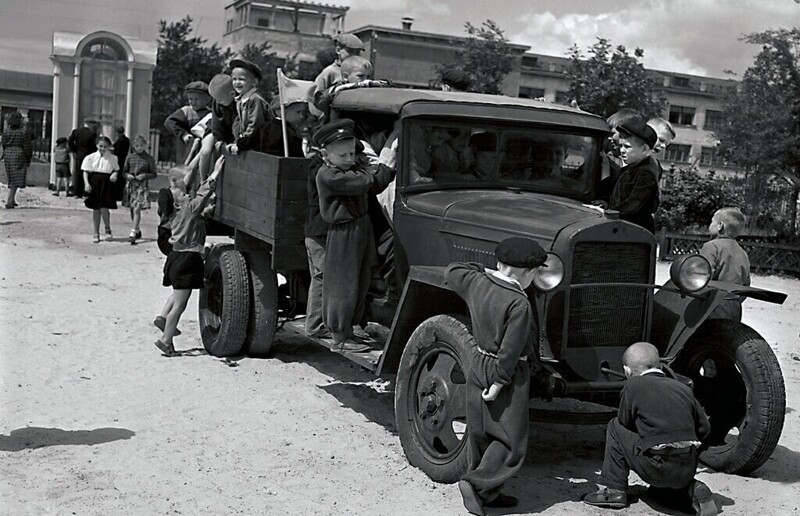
(263, 320)
(223, 322)
(765, 401)
(446, 333)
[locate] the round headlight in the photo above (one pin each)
(550, 276)
(690, 273)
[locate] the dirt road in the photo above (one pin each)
(95, 421)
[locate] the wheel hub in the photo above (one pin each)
(431, 403)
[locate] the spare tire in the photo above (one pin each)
(263, 320)
(224, 303)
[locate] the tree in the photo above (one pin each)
(484, 55)
(182, 58)
(761, 132)
(610, 79)
(688, 200)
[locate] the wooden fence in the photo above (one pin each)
(764, 256)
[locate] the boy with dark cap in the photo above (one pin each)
(345, 45)
(454, 79)
(635, 194)
(656, 434)
(499, 376)
(343, 186)
(180, 122)
(251, 109)
(219, 130)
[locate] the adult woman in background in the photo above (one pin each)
(100, 172)
(17, 154)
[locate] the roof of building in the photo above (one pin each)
(25, 81)
(290, 3)
(411, 34)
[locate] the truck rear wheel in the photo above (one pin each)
(738, 381)
(224, 303)
(263, 318)
(430, 398)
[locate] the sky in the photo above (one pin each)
(689, 36)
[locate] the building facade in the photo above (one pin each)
(693, 103)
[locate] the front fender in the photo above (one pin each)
(425, 294)
(676, 316)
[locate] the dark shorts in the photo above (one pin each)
(62, 170)
(184, 271)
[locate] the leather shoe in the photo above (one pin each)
(472, 501)
(503, 501)
(702, 501)
(611, 498)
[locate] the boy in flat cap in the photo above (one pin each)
(455, 80)
(345, 45)
(180, 122)
(656, 434)
(249, 125)
(635, 194)
(343, 185)
(499, 375)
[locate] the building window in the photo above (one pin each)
(710, 158)
(263, 22)
(680, 82)
(562, 97)
(530, 93)
(714, 120)
(678, 153)
(681, 115)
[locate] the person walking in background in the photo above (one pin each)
(181, 121)
(82, 142)
(17, 155)
(729, 262)
(100, 172)
(61, 159)
(139, 169)
(122, 147)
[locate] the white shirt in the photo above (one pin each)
(94, 162)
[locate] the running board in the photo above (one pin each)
(366, 359)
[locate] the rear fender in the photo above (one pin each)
(677, 316)
(425, 294)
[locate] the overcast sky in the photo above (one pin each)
(691, 36)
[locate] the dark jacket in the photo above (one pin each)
(635, 195)
(661, 410)
(343, 193)
(502, 320)
(82, 141)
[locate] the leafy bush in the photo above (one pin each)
(689, 200)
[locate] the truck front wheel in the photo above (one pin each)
(224, 303)
(738, 381)
(430, 398)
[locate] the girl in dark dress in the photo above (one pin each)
(100, 172)
(17, 154)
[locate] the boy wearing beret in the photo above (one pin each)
(635, 194)
(180, 122)
(219, 131)
(656, 434)
(343, 185)
(250, 122)
(499, 376)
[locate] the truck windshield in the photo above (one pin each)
(538, 159)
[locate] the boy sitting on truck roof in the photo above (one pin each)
(350, 254)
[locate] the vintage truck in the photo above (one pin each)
(535, 168)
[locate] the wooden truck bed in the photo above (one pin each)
(264, 197)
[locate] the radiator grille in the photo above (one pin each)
(614, 315)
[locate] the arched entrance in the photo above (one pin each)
(103, 87)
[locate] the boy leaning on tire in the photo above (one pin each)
(498, 375)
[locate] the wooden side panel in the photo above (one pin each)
(265, 196)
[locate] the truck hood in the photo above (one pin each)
(482, 214)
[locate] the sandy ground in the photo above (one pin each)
(95, 421)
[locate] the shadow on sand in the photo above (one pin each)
(32, 437)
